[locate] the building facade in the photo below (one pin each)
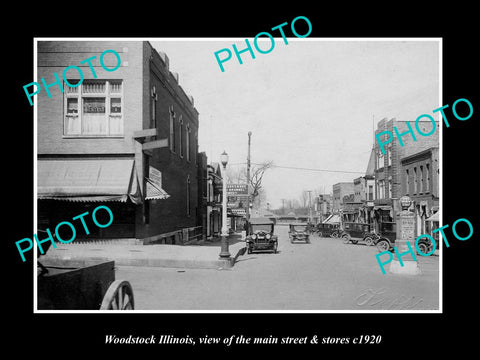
(388, 167)
(126, 138)
(340, 190)
(214, 200)
(420, 181)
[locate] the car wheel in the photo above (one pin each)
(383, 245)
(423, 248)
(368, 241)
(346, 238)
(249, 250)
(320, 234)
(354, 241)
(275, 248)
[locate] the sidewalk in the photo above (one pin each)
(173, 256)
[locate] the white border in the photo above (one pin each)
(35, 74)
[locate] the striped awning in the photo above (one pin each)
(88, 180)
(154, 191)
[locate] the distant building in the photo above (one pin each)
(323, 206)
(214, 200)
(339, 190)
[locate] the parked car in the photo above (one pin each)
(387, 236)
(353, 232)
(327, 230)
(299, 233)
(261, 235)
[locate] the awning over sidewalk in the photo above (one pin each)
(332, 219)
(434, 217)
(154, 191)
(88, 180)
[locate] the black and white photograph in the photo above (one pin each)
(240, 182)
(289, 171)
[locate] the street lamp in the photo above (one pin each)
(224, 253)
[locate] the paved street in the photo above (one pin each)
(323, 275)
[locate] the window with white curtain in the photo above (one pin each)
(94, 108)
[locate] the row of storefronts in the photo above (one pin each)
(412, 170)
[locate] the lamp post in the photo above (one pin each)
(224, 253)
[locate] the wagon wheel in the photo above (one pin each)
(119, 296)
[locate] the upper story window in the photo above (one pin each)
(427, 184)
(187, 142)
(389, 155)
(172, 129)
(94, 108)
(380, 160)
(181, 135)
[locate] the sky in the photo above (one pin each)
(312, 103)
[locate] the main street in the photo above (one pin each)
(324, 275)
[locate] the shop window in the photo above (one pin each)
(94, 108)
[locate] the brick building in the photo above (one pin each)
(123, 134)
(339, 190)
(388, 167)
(420, 181)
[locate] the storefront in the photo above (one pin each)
(68, 188)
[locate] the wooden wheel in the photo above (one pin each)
(119, 296)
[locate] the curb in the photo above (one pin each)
(127, 258)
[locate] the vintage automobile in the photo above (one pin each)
(260, 235)
(327, 230)
(298, 232)
(353, 232)
(388, 234)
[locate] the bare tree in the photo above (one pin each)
(256, 177)
(239, 176)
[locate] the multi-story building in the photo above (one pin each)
(202, 176)
(214, 200)
(339, 191)
(125, 137)
(420, 181)
(323, 206)
(388, 171)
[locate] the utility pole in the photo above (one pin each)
(248, 177)
(310, 205)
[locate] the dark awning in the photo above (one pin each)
(88, 180)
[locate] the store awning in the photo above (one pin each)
(434, 217)
(383, 207)
(88, 180)
(332, 219)
(154, 191)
